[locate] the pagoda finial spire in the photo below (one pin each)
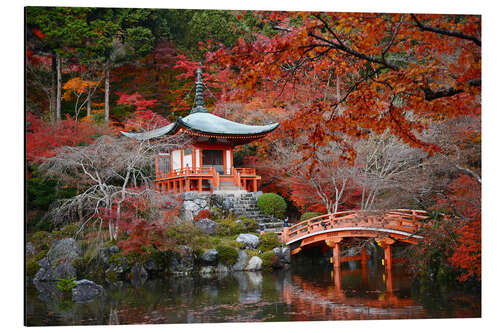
(199, 94)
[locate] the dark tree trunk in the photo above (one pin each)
(106, 91)
(53, 90)
(59, 87)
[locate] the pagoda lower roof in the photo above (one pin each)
(205, 123)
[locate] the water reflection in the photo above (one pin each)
(304, 293)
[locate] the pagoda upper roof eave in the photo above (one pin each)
(239, 131)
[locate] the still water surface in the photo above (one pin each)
(300, 294)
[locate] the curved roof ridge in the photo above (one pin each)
(205, 123)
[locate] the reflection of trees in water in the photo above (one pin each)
(240, 297)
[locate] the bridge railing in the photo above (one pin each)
(398, 218)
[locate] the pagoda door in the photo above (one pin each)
(214, 158)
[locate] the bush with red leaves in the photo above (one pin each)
(202, 214)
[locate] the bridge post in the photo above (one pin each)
(388, 257)
(336, 256)
(364, 258)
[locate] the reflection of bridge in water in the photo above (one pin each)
(334, 303)
(333, 230)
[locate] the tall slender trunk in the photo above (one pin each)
(106, 92)
(59, 86)
(53, 89)
(89, 101)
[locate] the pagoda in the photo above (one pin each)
(206, 164)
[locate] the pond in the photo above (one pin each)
(302, 293)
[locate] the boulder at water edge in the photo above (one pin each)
(251, 241)
(242, 261)
(182, 262)
(58, 262)
(86, 290)
(254, 264)
(209, 257)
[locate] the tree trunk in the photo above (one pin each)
(59, 85)
(106, 92)
(89, 101)
(53, 90)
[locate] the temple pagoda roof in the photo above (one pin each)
(200, 122)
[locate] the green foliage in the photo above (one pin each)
(42, 192)
(309, 215)
(269, 258)
(41, 239)
(268, 241)
(32, 267)
(227, 255)
(272, 204)
(228, 227)
(248, 224)
(81, 265)
(182, 234)
(65, 285)
(70, 230)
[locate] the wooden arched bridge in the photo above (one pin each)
(386, 227)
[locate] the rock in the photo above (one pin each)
(206, 226)
(60, 267)
(209, 257)
(251, 241)
(242, 261)
(106, 252)
(138, 273)
(48, 273)
(86, 290)
(200, 202)
(283, 254)
(189, 196)
(222, 268)
(30, 249)
(66, 249)
(191, 206)
(206, 271)
(183, 261)
(117, 270)
(155, 265)
(254, 264)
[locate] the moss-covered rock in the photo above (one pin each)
(227, 255)
(268, 241)
(269, 260)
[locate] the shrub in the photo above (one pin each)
(182, 234)
(41, 239)
(81, 264)
(269, 259)
(70, 230)
(248, 225)
(227, 255)
(268, 241)
(272, 204)
(32, 267)
(66, 285)
(309, 215)
(202, 214)
(229, 227)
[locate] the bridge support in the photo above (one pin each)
(386, 244)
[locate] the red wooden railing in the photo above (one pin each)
(398, 219)
(246, 171)
(186, 171)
